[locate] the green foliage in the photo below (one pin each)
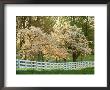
(80, 58)
(87, 58)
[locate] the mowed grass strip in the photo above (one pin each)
(31, 71)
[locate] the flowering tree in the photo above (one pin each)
(52, 37)
(32, 42)
(71, 37)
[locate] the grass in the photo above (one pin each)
(86, 58)
(82, 71)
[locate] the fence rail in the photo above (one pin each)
(25, 64)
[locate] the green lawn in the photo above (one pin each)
(82, 71)
(87, 58)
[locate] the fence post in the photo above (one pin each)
(31, 64)
(36, 64)
(18, 63)
(25, 64)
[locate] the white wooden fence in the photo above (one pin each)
(24, 64)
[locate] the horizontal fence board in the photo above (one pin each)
(26, 64)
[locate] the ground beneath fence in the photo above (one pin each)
(32, 71)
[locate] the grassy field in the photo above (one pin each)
(87, 58)
(82, 71)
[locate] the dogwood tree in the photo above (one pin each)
(32, 42)
(70, 37)
(52, 37)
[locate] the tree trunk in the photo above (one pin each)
(81, 57)
(56, 60)
(38, 56)
(42, 56)
(64, 59)
(74, 58)
(74, 55)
